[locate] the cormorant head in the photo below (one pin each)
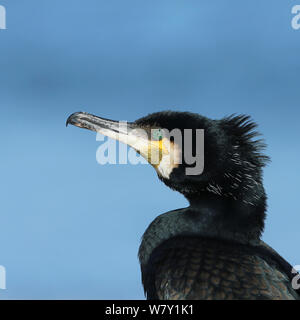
(194, 155)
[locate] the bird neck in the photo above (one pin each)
(209, 217)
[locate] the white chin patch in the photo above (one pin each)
(169, 161)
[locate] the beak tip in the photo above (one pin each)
(70, 118)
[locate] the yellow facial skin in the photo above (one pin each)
(167, 156)
(155, 152)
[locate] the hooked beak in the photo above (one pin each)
(126, 132)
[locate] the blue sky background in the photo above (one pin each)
(70, 228)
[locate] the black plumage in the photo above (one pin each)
(211, 249)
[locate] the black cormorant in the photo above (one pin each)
(213, 248)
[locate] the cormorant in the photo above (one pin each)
(213, 248)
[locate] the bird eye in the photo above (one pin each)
(157, 134)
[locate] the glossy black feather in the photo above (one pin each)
(191, 268)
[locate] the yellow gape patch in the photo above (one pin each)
(156, 151)
(169, 157)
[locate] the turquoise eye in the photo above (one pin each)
(157, 134)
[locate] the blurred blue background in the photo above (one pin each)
(70, 228)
